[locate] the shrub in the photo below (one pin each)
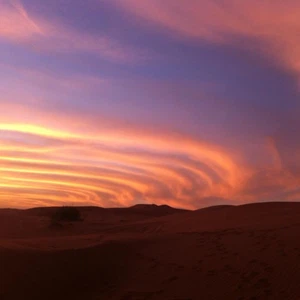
(66, 214)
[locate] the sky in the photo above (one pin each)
(119, 102)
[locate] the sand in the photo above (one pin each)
(153, 252)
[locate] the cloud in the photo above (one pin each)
(277, 181)
(96, 161)
(15, 24)
(18, 77)
(59, 142)
(110, 165)
(42, 35)
(275, 155)
(269, 27)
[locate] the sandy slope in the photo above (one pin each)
(150, 252)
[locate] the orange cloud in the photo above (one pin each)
(100, 164)
(109, 166)
(272, 26)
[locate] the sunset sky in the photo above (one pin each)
(118, 102)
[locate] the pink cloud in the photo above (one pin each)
(17, 26)
(275, 25)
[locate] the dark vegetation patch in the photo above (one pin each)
(66, 214)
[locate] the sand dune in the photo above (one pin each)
(153, 252)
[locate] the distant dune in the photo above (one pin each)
(152, 252)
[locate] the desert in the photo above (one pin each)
(153, 252)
